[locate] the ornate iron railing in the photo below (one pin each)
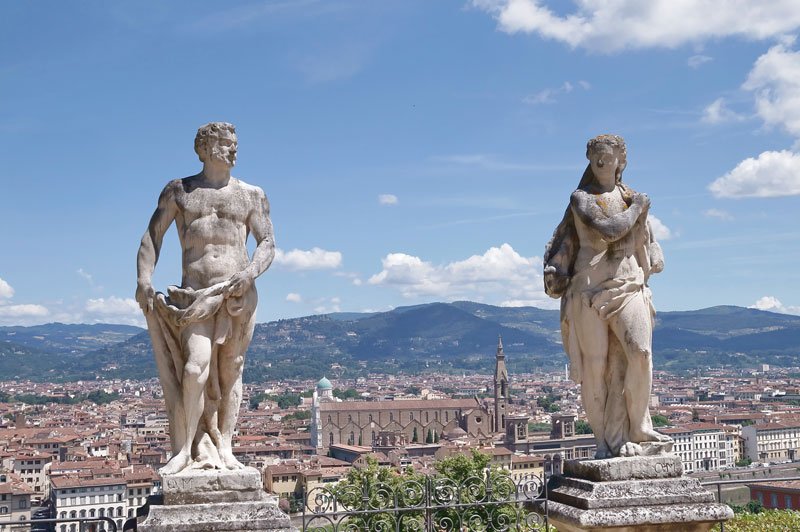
(492, 502)
(84, 524)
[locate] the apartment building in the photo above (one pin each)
(15, 502)
(772, 442)
(703, 446)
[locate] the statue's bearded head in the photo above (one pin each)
(216, 142)
(608, 144)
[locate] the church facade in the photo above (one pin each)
(416, 421)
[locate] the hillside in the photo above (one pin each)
(456, 337)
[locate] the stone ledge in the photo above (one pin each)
(213, 486)
(220, 517)
(587, 495)
(625, 468)
(660, 518)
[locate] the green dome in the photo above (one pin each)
(324, 384)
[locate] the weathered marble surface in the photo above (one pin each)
(200, 330)
(599, 262)
(211, 501)
(631, 494)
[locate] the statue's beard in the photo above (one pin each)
(218, 156)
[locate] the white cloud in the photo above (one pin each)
(86, 275)
(775, 81)
(719, 214)
(293, 297)
(660, 231)
(326, 306)
(773, 304)
(696, 61)
(718, 112)
(113, 306)
(23, 311)
(313, 259)
(499, 275)
(549, 95)
(387, 199)
(6, 292)
(603, 25)
(773, 173)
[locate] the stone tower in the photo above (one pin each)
(500, 388)
(323, 392)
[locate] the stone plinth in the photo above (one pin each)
(637, 494)
(215, 501)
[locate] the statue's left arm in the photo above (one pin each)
(260, 227)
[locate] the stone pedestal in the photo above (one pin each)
(637, 494)
(212, 501)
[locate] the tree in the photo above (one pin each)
(415, 436)
(429, 437)
(583, 427)
(435, 437)
(659, 420)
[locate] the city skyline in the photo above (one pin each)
(411, 151)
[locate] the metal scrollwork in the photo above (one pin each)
(495, 502)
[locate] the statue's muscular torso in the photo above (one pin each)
(213, 228)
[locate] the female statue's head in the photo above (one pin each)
(601, 147)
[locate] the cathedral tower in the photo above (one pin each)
(500, 388)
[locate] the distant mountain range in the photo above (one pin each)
(453, 337)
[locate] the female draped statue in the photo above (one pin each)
(598, 262)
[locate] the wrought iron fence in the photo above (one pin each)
(492, 502)
(72, 524)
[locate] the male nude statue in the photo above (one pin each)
(598, 262)
(201, 330)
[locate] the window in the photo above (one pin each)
(426, 417)
(330, 439)
(3, 509)
(391, 416)
(411, 416)
(774, 500)
(787, 502)
(23, 503)
(349, 418)
(370, 418)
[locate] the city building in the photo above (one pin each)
(15, 501)
(772, 442)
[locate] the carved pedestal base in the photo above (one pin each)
(641, 494)
(215, 501)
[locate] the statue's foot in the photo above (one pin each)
(650, 435)
(630, 449)
(230, 461)
(177, 463)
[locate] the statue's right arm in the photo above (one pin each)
(150, 247)
(611, 228)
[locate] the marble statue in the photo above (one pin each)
(201, 329)
(598, 262)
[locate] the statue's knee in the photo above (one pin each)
(192, 371)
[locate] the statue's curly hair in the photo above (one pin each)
(210, 130)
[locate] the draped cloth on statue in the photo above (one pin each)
(176, 310)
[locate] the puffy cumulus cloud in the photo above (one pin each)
(775, 82)
(6, 292)
(23, 311)
(313, 259)
(603, 25)
(387, 199)
(293, 297)
(500, 275)
(718, 112)
(771, 174)
(660, 231)
(773, 304)
(113, 306)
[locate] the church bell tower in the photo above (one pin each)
(500, 388)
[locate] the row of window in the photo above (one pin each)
(92, 513)
(410, 416)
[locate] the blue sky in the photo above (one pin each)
(412, 151)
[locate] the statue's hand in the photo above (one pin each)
(145, 294)
(641, 199)
(239, 283)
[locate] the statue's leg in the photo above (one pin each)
(196, 341)
(633, 328)
(593, 339)
(231, 365)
